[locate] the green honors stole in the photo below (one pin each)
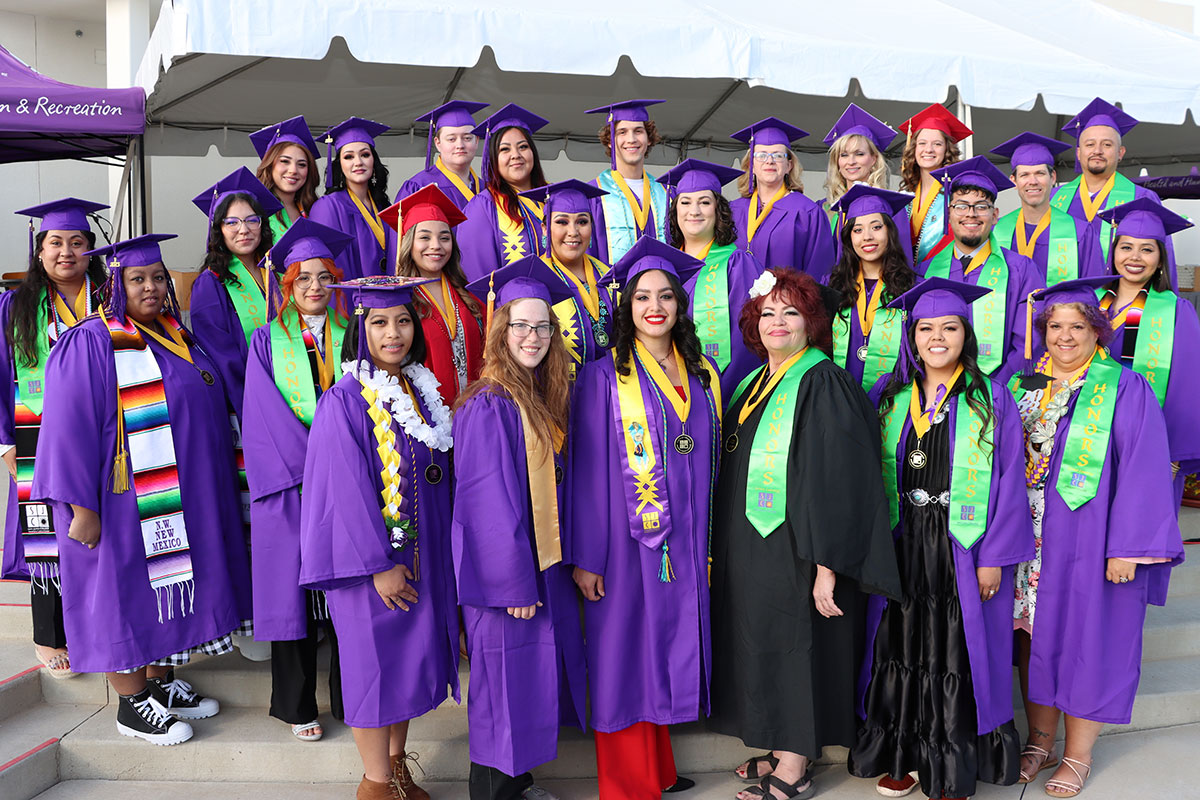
(970, 473)
(645, 454)
(279, 224)
(1062, 250)
(767, 479)
(1155, 346)
(248, 300)
(882, 331)
(710, 307)
(31, 378)
(621, 226)
(297, 363)
(987, 312)
(516, 234)
(1122, 191)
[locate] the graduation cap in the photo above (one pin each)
(140, 251)
(455, 114)
(694, 175)
(935, 117)
(240, 181)
(570, 196)
(355, 129)
(526, 278)
(977, 171)
(67, 214)
(767, 132)
(1030, 149)
(293, 131)
(428, 202)
(930, 299)
(1143, 218)
(1099, 112)
(649, 253)
(1078, 290)
(857, 122)
(510, 115)
(377, 291)
(624, 111)
(304, 240)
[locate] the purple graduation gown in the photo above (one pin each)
(742, 269)
(479, 239)
(1183, 389)
(796, 233)
(527, 676)
(1086, 653)
(219, 331)
(1007, 541)
(274, 442)
(435, 176)
(1023, 278)
(109, 610)
(396, 665)
(1095, 228)
(364, 256)
(648, 643)
(1090, 258)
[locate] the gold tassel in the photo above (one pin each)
(416, 561)
(120, 472)
(710, 571)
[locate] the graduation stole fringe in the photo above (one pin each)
(970, 475)
(1155, 346)
(143, 418)
(296, 362)
(621, 228)
(711, 305)
(989, 311)
(645, 453)
(1062, 250)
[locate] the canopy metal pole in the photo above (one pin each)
(141, 169)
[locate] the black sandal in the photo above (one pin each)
(792, 791)
(753, 763)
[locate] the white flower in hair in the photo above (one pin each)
(762, 285)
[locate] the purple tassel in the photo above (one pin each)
(116, 294)
(612, 141)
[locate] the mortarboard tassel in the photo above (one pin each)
(328, 161)
(31, 238)
(1029, 378)
(612, 140)
(429, 144)
(666, 574)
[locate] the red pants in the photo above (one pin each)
(635, 763)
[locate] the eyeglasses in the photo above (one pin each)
(967, 209)
(522, 329)
(304, 281)
(233, 223)
(765, 157)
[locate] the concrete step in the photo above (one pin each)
(1189, 522)
(15, 621)
(25, 730)
(1173, 630)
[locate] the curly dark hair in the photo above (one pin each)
(910, 173)
(802, 292)
(24, 325)
(683, 334)
(379, 179)
(651, 132)
(898, 277)
(1096, 317)
(498, 186)
(975, 383)
(726, 232)
(217, 254)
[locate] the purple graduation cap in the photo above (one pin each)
(1079, 290)
(649, 253)
(377, 291)
(855, 121)
(509, 116)
(570, 196)
(977, 172)
(769, 131)
(455, 114)
(1030, 149)
(293, 131)
(1099, 112)
(240, 181)
(1144, 219)
(140, 251)
(625, 111)
(67, 214)
(930, 299)
(526, 278)
(862, 199)
(694, 175)
(304, 240)
(355, 129)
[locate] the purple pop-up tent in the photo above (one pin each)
(42, 119)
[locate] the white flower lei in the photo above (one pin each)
(389, 394)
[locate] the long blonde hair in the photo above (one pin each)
(543, 394)
(910, 173)
(793, 179)
(835, 184)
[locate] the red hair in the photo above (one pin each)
(798, 290)
(289, 279)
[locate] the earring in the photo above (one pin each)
(373, 181)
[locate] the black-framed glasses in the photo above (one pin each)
(522, 329)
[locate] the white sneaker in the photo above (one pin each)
(180, 699)
(536, 792)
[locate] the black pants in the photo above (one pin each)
(489, 783)
(47, 610)
(294, 677)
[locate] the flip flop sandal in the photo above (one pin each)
(58, 665)
(1066, 788)
(308, 732)
(1048, 760)
(791, 791)
(755, 764)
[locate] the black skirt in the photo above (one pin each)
(920, 702)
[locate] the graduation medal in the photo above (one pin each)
(731, 443)
(207, 377)
(917, 458)
(558, 475)
(862, 353)
(684, 444)
(433, 474)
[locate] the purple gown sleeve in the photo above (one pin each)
(8, 373)
(216, 327)
(342, 537)
(409, 186)
(491, 534)
(274, 440)
(1183, 390)
(1009, 538)
(585, 536)
(477, 239)
(818, 255)
(599, 244)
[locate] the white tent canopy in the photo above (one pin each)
(214, 70)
